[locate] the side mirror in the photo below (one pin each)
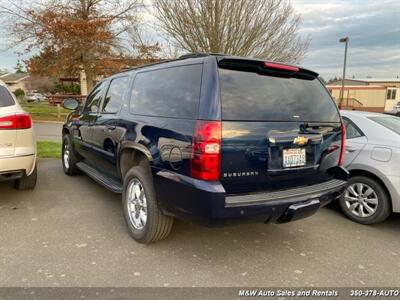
(70, 103)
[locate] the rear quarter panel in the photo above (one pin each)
(166, 140)
(375, 159)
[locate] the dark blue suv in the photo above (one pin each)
(212, 139)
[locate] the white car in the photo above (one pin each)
(396, 110)
(35, 97)
(17, 143)
(373, 159)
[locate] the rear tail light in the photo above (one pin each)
(342, 143)
(17, 121)
(206, 150)
(280, 67)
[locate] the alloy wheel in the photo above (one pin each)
(66, 155)
(137, 204)
(361, 200)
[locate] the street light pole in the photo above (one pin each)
(346, 41)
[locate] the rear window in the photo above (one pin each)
(170, 92)
(250, 96)
(5, 97)
(391, 123)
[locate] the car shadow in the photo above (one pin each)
(390, 224)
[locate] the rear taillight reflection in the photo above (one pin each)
(206, 148)
(16, 121)
(342, 143)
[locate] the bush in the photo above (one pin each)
(73, 88)
(19, 93)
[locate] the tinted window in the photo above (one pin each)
(171, 92)
(352, 130)
(93, 100)
(391, 123)
(250, 96)
(115, 94)
(5, 97)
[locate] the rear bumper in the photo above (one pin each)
(11, 175)
(206, 202)
(16, 167)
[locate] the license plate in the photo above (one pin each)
(295, 157)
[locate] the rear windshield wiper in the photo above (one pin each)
(306, 128)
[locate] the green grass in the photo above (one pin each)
(47, 149)
(44, 112)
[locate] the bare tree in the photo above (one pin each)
(260, 28)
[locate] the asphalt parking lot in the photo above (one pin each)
(69, 231)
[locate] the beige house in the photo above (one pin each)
(16, 81)
(370, 94)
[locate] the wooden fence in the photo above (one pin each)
(58, 99)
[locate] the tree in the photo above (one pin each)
(19, 68)
(72, 34)
(334, 79)
(43, 84)
(266, 29)
(19, 93)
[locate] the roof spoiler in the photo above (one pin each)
(266, 68)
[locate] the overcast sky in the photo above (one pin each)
(373, 27)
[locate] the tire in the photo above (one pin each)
(156, 226)
(381, 206)
(68, 156)
(27, 182)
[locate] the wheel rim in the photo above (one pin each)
(66, 155)
(361, 200)
(137, 204)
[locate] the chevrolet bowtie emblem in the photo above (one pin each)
(300, 140)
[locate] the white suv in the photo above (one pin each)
(17, 143)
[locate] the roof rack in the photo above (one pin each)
(184, 56)
(146, 65)
(199, 54)
(193, 55)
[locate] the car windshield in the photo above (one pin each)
(391, 123)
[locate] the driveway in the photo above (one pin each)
(69, 231)
(47, 131)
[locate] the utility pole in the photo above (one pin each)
(346, 41)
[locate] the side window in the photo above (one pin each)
(352, 131)
(94, 99)
(170, 92)
(114, 97)
(5, 97)
(391, 94)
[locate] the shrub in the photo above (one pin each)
(19, 93)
